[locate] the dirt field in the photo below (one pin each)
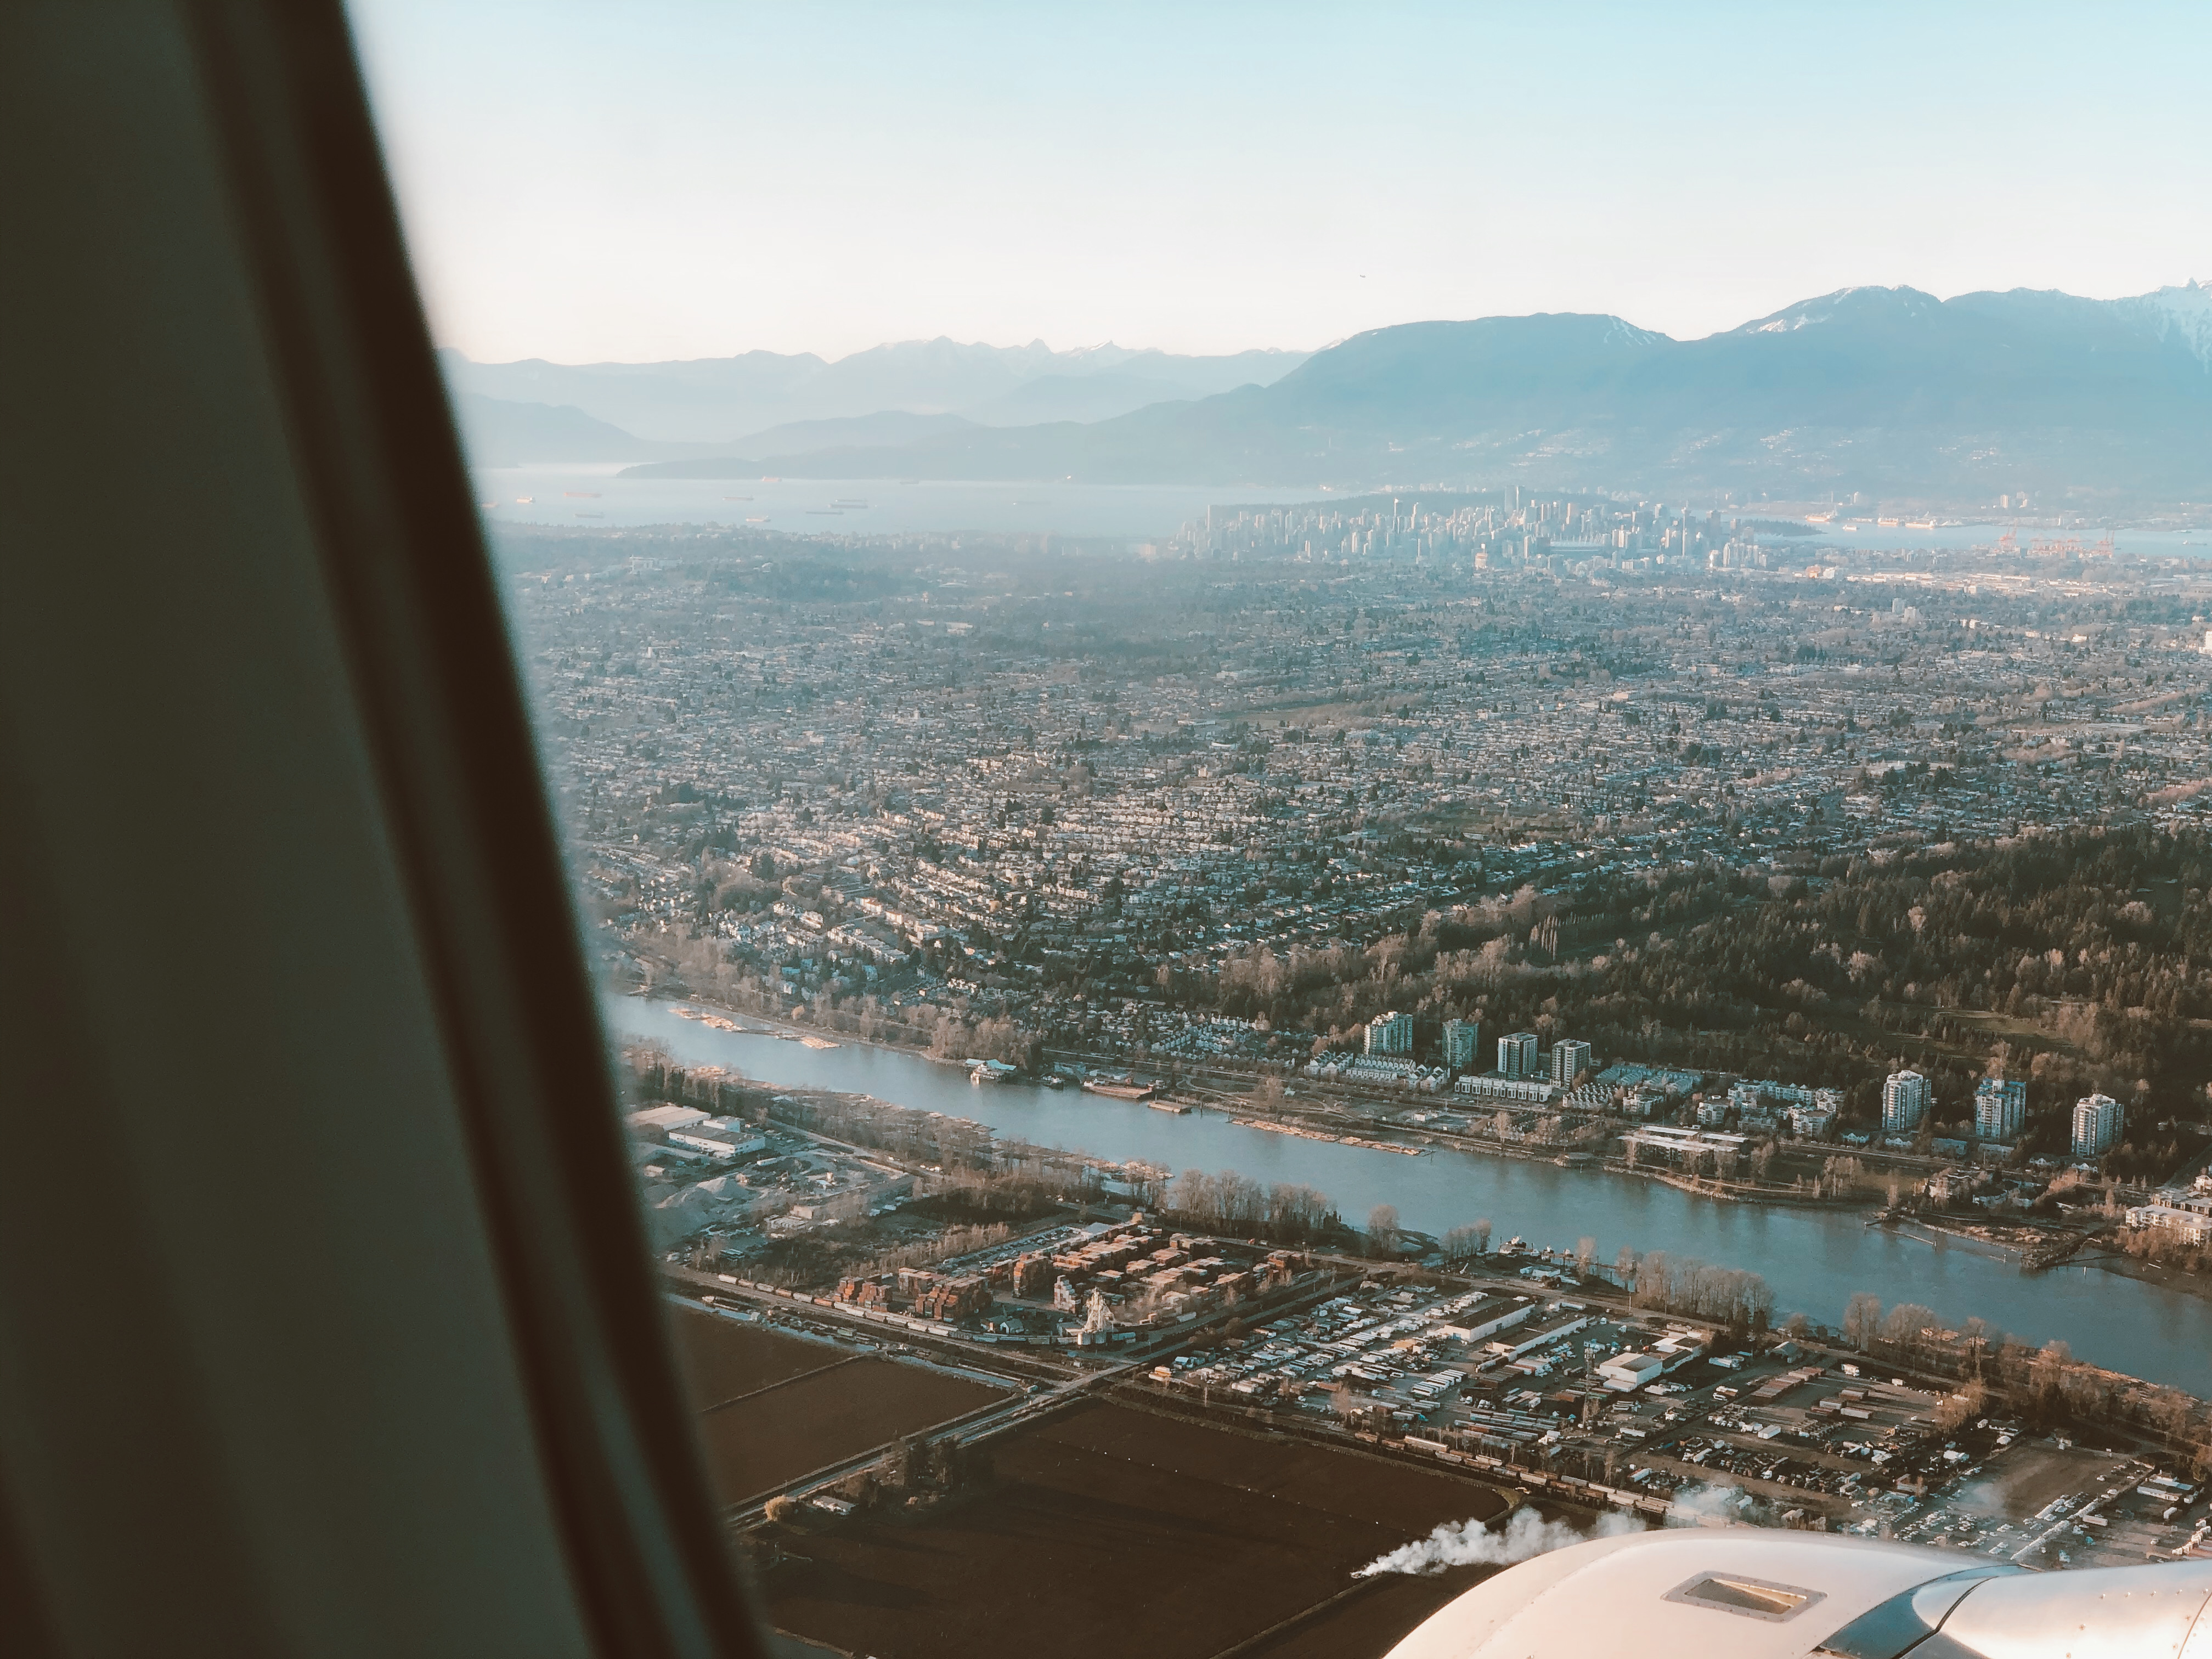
(1110, 1530)
(1370, 1622)
(825, 1417)
(2021, 1481)
(720, 1359)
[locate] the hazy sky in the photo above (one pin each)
(587, 181)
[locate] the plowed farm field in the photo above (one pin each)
(773, 1407)
(1109, 1529)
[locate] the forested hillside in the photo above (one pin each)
(2077, 961)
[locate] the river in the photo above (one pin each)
(1814, 1258)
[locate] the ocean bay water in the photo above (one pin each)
(593, 496)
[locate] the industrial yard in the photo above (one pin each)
(925, 1369)
(1242, 1453)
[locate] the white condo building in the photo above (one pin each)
(1569, 1060)
(2000, 1108)
(1390, 1034)
(1904, 1102)
(2097, 1122)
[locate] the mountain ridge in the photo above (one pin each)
(716, 400)
(1886, 389)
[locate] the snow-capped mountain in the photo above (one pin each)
(2183, 314)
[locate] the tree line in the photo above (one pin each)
(1285, 1211)
(2044, 1385)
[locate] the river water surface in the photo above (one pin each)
(1814, 1258)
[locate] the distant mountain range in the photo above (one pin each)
(1888, 390)
(719, 401)
(503, 433)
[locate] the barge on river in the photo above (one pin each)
(1120, 1088)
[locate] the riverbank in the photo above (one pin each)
(2095, 1252)
(2106, 1259)
(1944, 1238)
(1733, 1193)
(721, 1016)
(699, 1009)
(1274, 1126)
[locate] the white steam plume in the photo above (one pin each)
(1471, 1544)
(1711, 1504)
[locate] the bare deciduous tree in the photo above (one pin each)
(1382, 1228)
(1863, 1320)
